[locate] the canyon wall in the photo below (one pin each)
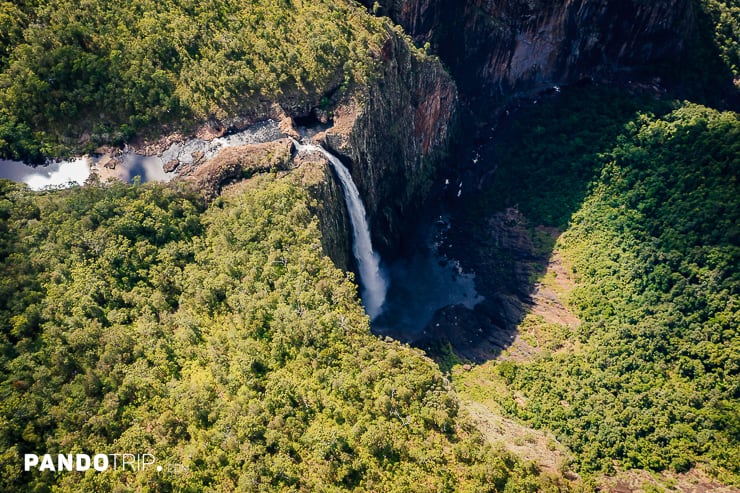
(394, 135)
(394, 132)
(497, 48)
(327, 202)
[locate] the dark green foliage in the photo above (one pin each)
(725, 17)
(709, 72)
(110, 69)
(655, 246)
(222, 342)
(557, 148)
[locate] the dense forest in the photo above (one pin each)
(215, 335)
(646, 197)
(107, 70)
(220, 340)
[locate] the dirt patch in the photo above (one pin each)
(551, 292)
(553, 288)
(694, 481)
(548, 322)
(210, 131)
(529, 444)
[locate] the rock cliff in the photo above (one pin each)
(496, 48)
(394, 134)
(327, 203)
(395, 131)
(311, 171)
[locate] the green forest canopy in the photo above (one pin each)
(114, 68)
(218, 339)
(75, 75)
(651, 213)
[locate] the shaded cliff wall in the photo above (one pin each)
(394, 135)
(494, 48)
(328, 205)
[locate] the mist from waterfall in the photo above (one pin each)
(372, 282)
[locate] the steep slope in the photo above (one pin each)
(396, 135)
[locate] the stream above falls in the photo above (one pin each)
(129, 164)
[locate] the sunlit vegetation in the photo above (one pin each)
(220, 340)
(110, 69)
(725, 17)
(651, 209)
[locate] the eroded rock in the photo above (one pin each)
(234, 163)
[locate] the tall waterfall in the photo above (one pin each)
(368, 261)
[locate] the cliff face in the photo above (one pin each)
(495, 48)
(394, 135)
(327, 203)
(395, 132)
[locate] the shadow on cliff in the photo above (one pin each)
(498, 52)
(523, 178)
(509, 255)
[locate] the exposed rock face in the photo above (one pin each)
(234, 163)
(494, 48)
(394, 136)
(336, 238)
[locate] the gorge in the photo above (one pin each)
(551, 186)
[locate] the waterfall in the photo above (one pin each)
(368, 261)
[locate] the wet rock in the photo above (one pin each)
(287, 126)
(108, 161)
(316, 176)
(322, 116)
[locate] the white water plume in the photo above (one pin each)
(373, 283)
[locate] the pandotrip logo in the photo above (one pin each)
(85, 462)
